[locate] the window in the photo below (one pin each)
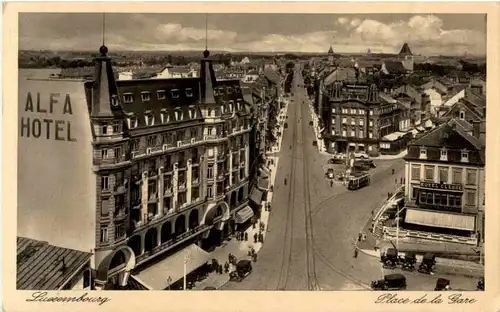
(128, 98)
(361, 122)
(114, 100)
(344, 120)
(353, 133)
(210, 171)
(145, 96)
(415, 172)
(333, 121)
(462, 115)
(209, 112)
(104, 207)
(443, 175)
(133, 122)
(371, 112)
(118, 152)
(191, 112)
(160, 94)
(105, 129)
(189, 92)
(195, 193)
(370, 134)
(104, 154)
(353, 111)
(135, 144)
(360, 133)
(423, 153)
(151, 141)
(371, 123)
(444, 154)
(457, 176)
(119, 231)
(455, 200)
(104, 234)
(429, 173)
(465, 156)
(333, 131)
(333, 110)
(209, 192)
(210, 152)
(104, 183)
(361, 111)
(471, 177)
(175, 93)
(414, 192)
(117, 126)
(471, 198)
(165, 117)
(150, 119)
(344, 133)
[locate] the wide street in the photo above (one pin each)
(313, 225)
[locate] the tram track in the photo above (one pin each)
(288, 235)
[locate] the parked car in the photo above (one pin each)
(390, 282)
(361, 155)
(330, 174)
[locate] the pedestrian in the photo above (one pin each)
(360, 236)
(363, 237)
(355, 252)
(255, 236)
(393, 171)
(401, 181)
(261, 238)
(226, 267)
(253, 225)
(255, 257)
(229, 257)
(246, 236)
(396, 181)
(331, 183)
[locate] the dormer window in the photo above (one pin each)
(444, 154)
(132, 122)
(175, 93)
(161, 94)
(423, 153)
(145, 96)
(189, 92)
(114, 100)
(231, 106)
(222, 109)
(465, 156)
(165, 117)
(238, 90)
(150, 118)
(128, 97)
(209, 112)
(216, 92)
(105, 129)
(192, 113)
(177, 114)
(462, 115)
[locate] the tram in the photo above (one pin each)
(358, 181)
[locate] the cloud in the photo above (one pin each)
(426, 34)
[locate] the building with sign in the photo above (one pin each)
(445, 186)
(162, 167)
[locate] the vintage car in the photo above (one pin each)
(330, 173)
(389, 258)
(428, 262)
(442, 284)
(394, 281)
(408, 261)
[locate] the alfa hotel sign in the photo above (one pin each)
(441, 186)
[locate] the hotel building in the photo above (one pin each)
(148, 168)
(445, 186)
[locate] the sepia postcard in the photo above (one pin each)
(247, 156)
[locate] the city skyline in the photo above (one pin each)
(427, 34)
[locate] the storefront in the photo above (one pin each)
(440, 222)
(394, 143)
(243, 217)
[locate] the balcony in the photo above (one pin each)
(112, 161)
(221, 158)
(153, 198)
(168, 191)
(171, 243)
(120, 213)
(119, 189)
(220, 177)
(181, 186)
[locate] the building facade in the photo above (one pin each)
(356, 117)
(445, 187)
(170, 166)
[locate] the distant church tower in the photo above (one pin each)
(330, 56)
(406, 57)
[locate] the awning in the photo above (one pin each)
(256, 196)
(243, 215)
(162, 274)
(441, 220)
(211, 212)
(263, 184)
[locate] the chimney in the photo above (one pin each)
(104, 87)
(207, 79)
(476, 129)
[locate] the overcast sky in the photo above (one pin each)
(450, 34)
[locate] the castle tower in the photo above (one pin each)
(406, 57)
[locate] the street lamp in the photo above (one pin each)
(397, 225)
(187, 257)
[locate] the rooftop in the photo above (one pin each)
(41, 266)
